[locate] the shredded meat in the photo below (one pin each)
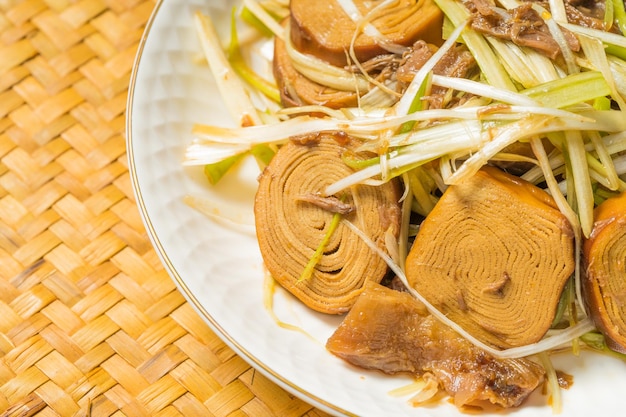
(457, 62)
(489, 19)
(525, 27)
(588, 13)
(522, 25)
(529, 29)
(419, 54)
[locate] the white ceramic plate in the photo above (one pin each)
(218, 267)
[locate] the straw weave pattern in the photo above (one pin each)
(90, 322)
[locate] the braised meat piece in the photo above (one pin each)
(457, 62)
(522, 25)
(391, 331)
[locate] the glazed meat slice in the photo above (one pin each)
(391, 331)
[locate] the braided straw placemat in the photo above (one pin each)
(90, 322)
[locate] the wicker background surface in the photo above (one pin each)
(90, 322)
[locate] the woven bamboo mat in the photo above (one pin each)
(90, 322)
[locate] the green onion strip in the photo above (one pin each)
(307, 273)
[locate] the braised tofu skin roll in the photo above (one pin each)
(494, 256)
(605, 261)
(298, 90)
(294, 220)
(323, 29)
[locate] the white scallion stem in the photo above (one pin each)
(260, 13)
(554, 388)
(231, 88)
(565, 208)
(324, 73)
(557, 10)
(605, 159)
(526, 128)
(582, 183)
(484, 90)
(369, 29)
(525, 65)
(606, 37)
(594, 52)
